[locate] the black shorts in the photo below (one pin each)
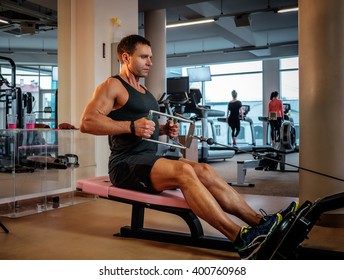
(134, 172)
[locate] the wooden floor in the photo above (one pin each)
(85, 230)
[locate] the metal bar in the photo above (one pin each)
(151, 112)
(165, 143)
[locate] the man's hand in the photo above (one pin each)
(144, 128)
(172, 129)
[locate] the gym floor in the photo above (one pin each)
(85, 230)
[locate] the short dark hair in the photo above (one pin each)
(128, 45)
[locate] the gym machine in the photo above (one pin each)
(285, 242)
(287, 131)
(185, 101)
(26, 145)
(203, 113)
(4, 228)
(12, 95)
(245, 146)
(16, 102)
(268, 158)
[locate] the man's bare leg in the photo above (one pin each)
(228, 198)
(168, 174)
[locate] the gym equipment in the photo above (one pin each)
(4, 228)
(266, 159)
(286, 241)
(206, 151)
(244, 146)
(287, 131)
(248, 146)
(170, 201)
(262, 161)
(13, 95)
(47, 161)
(14, 98)
(283, 243)
(175, 144)
(171, 104)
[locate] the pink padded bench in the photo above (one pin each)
(171, 201)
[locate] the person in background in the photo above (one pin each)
(119, 109)
(234, 113)
(276, 117)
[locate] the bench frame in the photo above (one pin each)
(194, 238)
(4, 228)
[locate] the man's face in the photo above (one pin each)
(140, 61)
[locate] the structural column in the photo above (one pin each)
(321, 67)
(155, 32)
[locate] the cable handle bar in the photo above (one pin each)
(176, 144)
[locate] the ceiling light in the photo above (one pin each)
(4, 21)
(189, 22)
(288, 10)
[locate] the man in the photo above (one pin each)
(119, 108)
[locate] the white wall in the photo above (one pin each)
(84, 26)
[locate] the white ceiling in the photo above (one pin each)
(265, 34)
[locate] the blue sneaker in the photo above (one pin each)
(292, 208)
(252, 238)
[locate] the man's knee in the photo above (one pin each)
(204, 171)
(184, 173)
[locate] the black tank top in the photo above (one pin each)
(234, 107)
(137, 106)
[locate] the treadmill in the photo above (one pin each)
(206, 152)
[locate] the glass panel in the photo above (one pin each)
(36, 174)
(27, 70)
(290, 95)
(46, 82)
(27, 83)
(290, 84)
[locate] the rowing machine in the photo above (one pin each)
(286, 241)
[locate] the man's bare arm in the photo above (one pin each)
(95, 120)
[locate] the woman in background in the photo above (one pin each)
(234, 114)
(276, 117)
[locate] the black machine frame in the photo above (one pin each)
(286, 241)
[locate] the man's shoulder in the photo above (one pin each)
(112, 83)
(111, 87)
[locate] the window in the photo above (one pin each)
(289, 75)
(248, 86)
(37, 80)
(247, 79)
(217, 130)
